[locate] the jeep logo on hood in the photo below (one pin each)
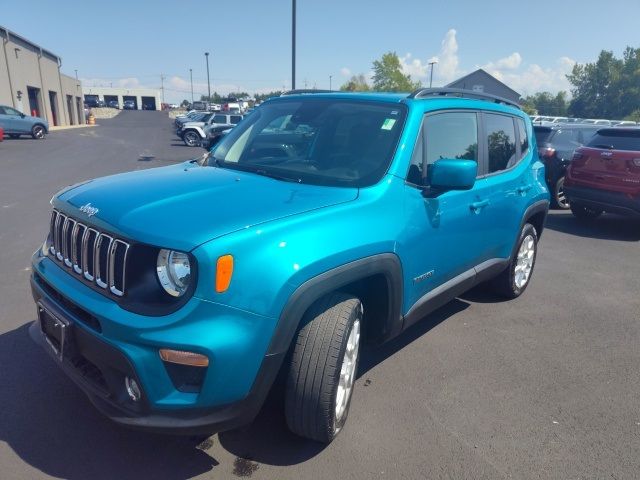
(89, 210)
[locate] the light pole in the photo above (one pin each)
(330, 78)
(206, 54)
(191, 78)
(431, 64)
(293, 44)
(76, 74)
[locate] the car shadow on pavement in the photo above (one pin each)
(605, 227)
(53, 427)
(267, 440)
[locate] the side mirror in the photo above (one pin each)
(22, 115)
(452, 174)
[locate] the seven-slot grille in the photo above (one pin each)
(98, 257)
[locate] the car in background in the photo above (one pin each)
(1, 134)
(16, 123)
(201, 106)
(556, 144)
(604, 175)
(113, 104)
(623, 123)
(194, 117)
(193, 133)
(596, 121)
(213, 135)
(148, 106)
(129, 105)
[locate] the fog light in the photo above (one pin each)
(132, 389)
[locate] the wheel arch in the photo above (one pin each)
(536, 215)
(383, 272)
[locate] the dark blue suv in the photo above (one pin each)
(174, 296)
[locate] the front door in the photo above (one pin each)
(13, 121)
(444, 234)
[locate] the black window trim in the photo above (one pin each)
(421, 137)
(517, 140)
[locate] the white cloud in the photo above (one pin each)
(533, 78)
(511, 62)
(447, 62)
(345, 72)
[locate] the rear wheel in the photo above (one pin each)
(513, 281)
(191, 139)
(583, 212)
(559, 198)
(323, 367)
(38, 132)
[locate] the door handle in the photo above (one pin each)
(523, 189)
(477, 206)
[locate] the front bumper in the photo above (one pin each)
(612, 202)
(103, 353)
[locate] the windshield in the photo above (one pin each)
(616, 140)
(331, 142)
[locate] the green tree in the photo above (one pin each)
(357, 83)
(607, 88)
(545, 103)
(388, 76)
(185, 103)
(261, 97)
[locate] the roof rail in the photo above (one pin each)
(459, 92)
(304, 91)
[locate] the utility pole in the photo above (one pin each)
(76, 74)
(431, 64)
(330, 78)
(191, 77)
(162, 86)
(305, 83)
(293, 44)
(206, 54)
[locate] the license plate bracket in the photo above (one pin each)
(57, 331)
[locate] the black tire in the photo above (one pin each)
(316, 362)
(191, 138)
(14, 135)
(583, 212)
(559, 199)
(507, 283)
(38, 131)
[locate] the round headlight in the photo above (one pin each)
(174, 272)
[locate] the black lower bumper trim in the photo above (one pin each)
(612, 202)
(108, 396)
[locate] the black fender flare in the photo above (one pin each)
(387, 264)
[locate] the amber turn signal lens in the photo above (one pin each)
(224, 271)
(184, 358)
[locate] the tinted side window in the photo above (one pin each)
(501, 141)
(235, 119)
(524, 139)
(452, 135)
(220, 119)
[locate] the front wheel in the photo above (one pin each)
(191, 139)
(38, 132)
(513, 281)
(323, 368)
(583, 212)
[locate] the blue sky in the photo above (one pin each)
(529, 45)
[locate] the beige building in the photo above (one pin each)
(142, 98)
(31, 81)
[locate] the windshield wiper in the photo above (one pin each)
(266, 173)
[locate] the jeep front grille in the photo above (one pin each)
(98, 257)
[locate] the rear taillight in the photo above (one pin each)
(546, 152)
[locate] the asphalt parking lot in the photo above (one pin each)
(545, 386)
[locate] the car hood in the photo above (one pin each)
(193, 124)
(185, 205)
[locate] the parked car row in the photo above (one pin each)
(194, 127)
(545, 120)
(14, 123)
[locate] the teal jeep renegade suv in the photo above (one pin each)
(174, 296)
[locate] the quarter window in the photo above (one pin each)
(501, 141)
(524, 140)
(451, 135)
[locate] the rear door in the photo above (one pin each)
(610, 161)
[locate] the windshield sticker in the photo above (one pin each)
(388, 123)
